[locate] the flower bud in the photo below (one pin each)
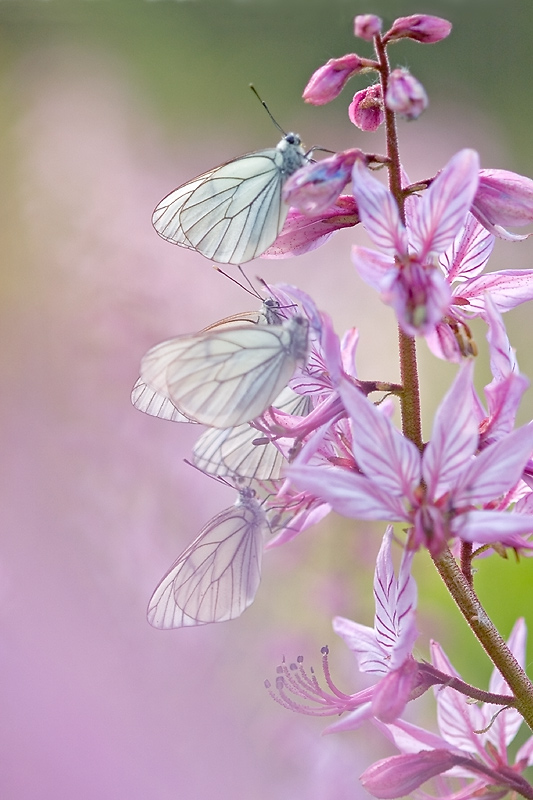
(314, 188)
(366, 110)
(366, 26)
(400, 775)
(328, 81)
(420, 27)
(503, 198)
(405, 94)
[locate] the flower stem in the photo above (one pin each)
(485, 631)
(410, 395)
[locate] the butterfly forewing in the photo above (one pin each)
(233, 213)
(216, 578)
(226, 377)
(166, 216)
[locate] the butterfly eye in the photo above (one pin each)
(234, 212)
(216, 578)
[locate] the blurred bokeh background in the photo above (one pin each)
(105, 106)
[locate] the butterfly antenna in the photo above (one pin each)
(276, 123)
(252, 290)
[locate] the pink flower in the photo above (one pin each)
(462, 265)
(302, 233)
(419, 27)
(503, 198)
(384, 651)
(405, 94)
(476, 739)
(366, 110)
(366, 26)
(329, 80)
(445, 492)
(405, 272)
(314, 188)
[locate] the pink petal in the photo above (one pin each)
(378, 211)
(347, 493)
(485, 527)
(361, 640)
(381, 451)
(454, 438)
(301, 234)
(507, 288)
(469, 253)
(372, 266)
(496, 469)
(444, 207)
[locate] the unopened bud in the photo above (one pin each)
(366, 110)
(366, 26)
(405, 94)
(328, 81)
(503, 198)
(400, 775)
(314, 188)
(419, 27)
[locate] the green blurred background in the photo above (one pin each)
(105, 106)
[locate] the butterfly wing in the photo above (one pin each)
(154, 403)
(233, 213)
(223, 378)
(216, 578)
(166, 216)
(241, 451)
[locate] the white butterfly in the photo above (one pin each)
(232, 213)
(217, 576)
(226, 376)
(241, 452)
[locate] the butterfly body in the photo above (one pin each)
(232, 213)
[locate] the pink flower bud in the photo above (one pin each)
(503, 198)
(366, 26)
(313, 189)
(328, 81)
(420, 27)
(400, 775)
(366, 109)
(405, 94)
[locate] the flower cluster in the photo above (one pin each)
(295, 431)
